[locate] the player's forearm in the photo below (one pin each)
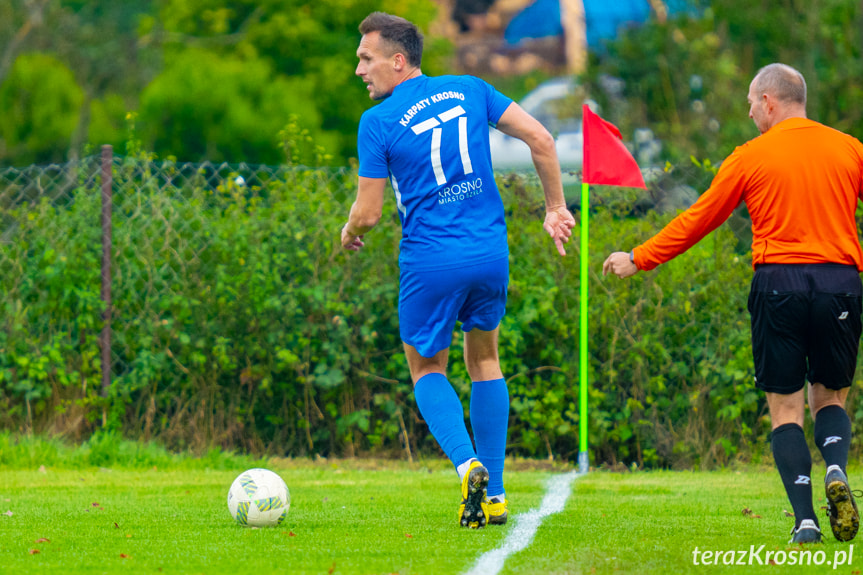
(547, 166)
(361, 221)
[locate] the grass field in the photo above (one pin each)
(370, 517)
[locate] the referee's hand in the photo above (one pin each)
(619, 264)
(559, 223)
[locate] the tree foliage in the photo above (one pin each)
(308, 47)
(41, 105)
(687, 79)
(221, 107)
(242, 56)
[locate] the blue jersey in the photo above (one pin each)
(430, 137)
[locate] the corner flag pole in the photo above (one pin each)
(583, 461)
(607, 162)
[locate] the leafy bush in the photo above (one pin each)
(240, 322)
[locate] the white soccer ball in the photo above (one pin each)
(259, 498)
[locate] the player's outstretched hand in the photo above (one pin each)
(350, 241)
(559, 223)
(620, 265)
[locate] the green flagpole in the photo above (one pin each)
(583, 460)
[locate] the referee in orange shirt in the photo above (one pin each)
(801, 182)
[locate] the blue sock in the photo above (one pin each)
(443, 413)
(489, 418)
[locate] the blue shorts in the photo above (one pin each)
(430, 303)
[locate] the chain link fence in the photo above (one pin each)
(161, 215)
(158, 212)
(220, 302)
(93, 251)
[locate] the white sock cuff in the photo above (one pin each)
(462, 469)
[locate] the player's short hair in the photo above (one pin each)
(402, 35)
(782, 82)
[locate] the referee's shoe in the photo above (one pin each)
(806, 532)
(473, 511)
(841, 507)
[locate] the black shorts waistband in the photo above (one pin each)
(821, 278)
(822, 265)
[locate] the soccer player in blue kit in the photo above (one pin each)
(429, 138)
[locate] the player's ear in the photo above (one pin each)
(399, 62)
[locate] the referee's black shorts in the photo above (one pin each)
(805, 325)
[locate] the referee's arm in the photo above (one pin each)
(365, 213)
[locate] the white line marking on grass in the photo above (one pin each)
(559, 488)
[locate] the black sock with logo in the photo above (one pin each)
(794, 462)
(833, 435)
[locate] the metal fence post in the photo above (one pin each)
(105, 337)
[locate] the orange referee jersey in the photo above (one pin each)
(801, 182)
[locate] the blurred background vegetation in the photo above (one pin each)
(241, 326)
(219, 80)
(207, 79)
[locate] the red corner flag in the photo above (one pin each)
(606, 159)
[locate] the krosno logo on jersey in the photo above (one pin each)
(459, 192)
(447, 96)
(412, 111)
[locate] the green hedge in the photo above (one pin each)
(240, 322)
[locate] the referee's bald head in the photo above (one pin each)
(782, 82)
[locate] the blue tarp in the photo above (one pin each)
(603, 19)
(538, 20)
